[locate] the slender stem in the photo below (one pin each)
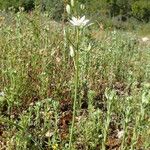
(76, 87)
(106, 127)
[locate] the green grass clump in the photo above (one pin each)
(37, 86)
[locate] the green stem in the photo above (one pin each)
(106, 127)
(76, 87)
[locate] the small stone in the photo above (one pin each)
(120, 134)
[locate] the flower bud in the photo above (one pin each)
(72, 3)
(82, 6)
(89, 47)
(68, 9)
(71, 51)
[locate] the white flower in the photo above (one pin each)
(79, 22)
(2, 94)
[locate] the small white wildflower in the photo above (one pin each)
(68, 9)
(49, 134)
(2, 94)
(21, 9)
(71, 51)
(100, 136)
(79, 22)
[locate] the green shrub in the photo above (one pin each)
(8, 3)
(141, 10)
(27, 4)
(55, 7)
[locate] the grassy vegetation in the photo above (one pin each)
(41, 88)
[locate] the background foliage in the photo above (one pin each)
(37, 74)
(139, 9)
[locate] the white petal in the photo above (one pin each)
(82, 19)
(72, 22)
(74, 19)
(79, 21)
(85, 22)
(90, 24)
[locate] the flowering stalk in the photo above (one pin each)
(78, 23)
(76, 81)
